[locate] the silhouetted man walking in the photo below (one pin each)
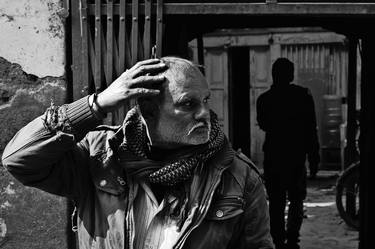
(286, 113)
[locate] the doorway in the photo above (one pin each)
(239, 104)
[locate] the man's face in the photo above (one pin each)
(184, 117)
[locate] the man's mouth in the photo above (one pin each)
(200, 127)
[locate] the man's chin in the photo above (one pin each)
(197, 140)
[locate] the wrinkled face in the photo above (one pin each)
(184, 117)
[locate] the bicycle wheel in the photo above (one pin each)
(347, 196)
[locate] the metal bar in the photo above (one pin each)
(200, 48)
(70, 236)
(68, 63)
(350, 150)
(159, 28)
(91, 45)
(135, 33)
(147, 30)
(98, 44)
(85, 46)
(367, 144)
(109, 59)
(104, 53)
(258, 9)
(122, 37)
(116, 58)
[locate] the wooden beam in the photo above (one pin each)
(367, 144)
(135, 32)
(232, 40)
(200, 49)
(260, 9)
(109, 58)
(122, 37)
(159, 27)
(350, 150)
(147, 30)
(98, 45)
(86, 74)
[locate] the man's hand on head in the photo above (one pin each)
(135, 82)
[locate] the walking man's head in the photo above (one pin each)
(180, 114)
(282, 71)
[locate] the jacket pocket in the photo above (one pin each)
(106, 174)
(225, 207)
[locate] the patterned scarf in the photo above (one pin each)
(135, 147)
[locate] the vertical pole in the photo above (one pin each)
(367, 144)
(122, 37)
(147, 30)
(135, 33)
(200, 48)
(98, 44)
(350, 149)
(85, 46)
(68, 53)
(109, 69)
(159, 28)
(119, 115)
(70, 236)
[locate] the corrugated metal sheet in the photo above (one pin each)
(331, 59)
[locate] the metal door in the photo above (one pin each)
(216, 69)
(260, 81)
(109, 37)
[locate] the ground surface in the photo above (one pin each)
(323, 228)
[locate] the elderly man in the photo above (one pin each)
(167, 178)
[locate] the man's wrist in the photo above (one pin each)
(96, 108)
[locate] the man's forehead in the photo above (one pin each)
(187, 82)
(184, 75)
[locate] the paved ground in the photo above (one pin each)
(323, 227)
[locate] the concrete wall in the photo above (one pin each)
(31, 75)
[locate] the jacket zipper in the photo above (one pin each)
(231, 200)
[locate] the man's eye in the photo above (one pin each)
(206, 100)
(188, 104)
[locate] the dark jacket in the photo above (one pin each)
(230, 205)
(287, 115)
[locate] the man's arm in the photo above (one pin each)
(312, 133)
(256, 233)
(45, 153)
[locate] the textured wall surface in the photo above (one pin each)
(33, 35)
(31, 76)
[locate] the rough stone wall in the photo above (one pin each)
(31, 76)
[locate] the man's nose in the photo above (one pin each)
(203, 113)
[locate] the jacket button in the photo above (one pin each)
(121, 181)
(103, 183)
(219, 213)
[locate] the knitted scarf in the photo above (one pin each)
(135, 147)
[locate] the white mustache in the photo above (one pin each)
(199, 125)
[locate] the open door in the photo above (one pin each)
(260, 81)
(216, 68)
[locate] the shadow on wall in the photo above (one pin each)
(29, 218)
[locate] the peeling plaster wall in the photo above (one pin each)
(31, 75)
(32, 35)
